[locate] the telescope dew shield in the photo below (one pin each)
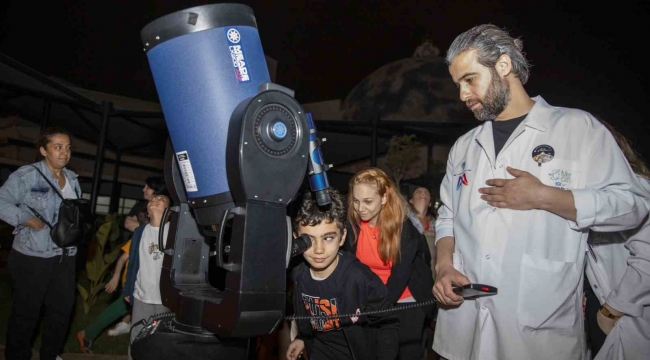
(205, 61)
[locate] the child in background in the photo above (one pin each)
(142, 287)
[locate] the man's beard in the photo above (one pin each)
(495, 101)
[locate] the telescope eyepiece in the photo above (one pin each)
(323, 198)
(300, 245)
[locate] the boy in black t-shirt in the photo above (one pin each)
(330, 282)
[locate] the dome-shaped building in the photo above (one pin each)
(414, 89)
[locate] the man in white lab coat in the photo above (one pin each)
(520, 193)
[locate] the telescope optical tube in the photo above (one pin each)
(205, 61)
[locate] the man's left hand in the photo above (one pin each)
(604, 323)
(521, 193)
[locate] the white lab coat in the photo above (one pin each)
(618, 269)
(534, 258)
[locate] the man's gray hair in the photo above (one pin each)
(490, 42)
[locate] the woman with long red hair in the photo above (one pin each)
(387, 242)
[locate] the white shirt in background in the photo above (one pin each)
(147, 283)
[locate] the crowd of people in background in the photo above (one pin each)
(532, 198)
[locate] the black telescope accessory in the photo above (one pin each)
(300, 244)
(161, 231)
(222, 249)
(472, 291)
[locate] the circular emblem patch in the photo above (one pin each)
(543, 154)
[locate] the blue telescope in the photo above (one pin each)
(239, 150)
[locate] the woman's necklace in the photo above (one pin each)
(374, 232)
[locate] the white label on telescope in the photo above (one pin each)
(186, 170)
(238, 55)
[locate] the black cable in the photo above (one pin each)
(151, 321)
(169, 315)
(161, 316)
(372, 312)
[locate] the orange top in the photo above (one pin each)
(368, 253)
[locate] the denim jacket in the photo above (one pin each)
(134, 263)
(26, 187)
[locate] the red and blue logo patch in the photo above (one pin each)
(462, 177)
(462, 180)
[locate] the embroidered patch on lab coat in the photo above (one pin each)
(561, 173)
(462, 177)
(543, 154)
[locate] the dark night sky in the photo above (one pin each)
(585, 55)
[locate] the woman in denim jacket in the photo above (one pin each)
(42, 274)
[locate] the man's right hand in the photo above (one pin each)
(446, 278)
(34, 223)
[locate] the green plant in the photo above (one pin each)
(98, 262)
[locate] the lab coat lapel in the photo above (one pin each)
(485, 140)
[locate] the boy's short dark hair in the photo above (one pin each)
(310, 214)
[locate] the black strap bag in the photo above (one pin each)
(76, 223)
